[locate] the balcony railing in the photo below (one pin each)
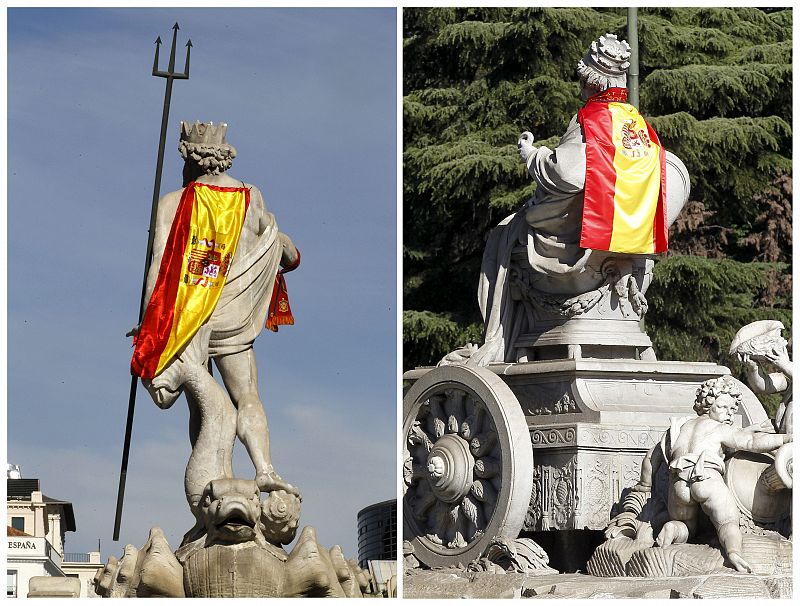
(76, 557)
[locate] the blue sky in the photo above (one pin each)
(310, 99)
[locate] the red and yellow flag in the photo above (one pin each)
(280, 313)
(624, 208)
(197, 257)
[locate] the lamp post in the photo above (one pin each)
(633, 70)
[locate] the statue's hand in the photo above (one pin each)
(525, 146)
(778, 356)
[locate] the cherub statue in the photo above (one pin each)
(760, 342)
(694, 449)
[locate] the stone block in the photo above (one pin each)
(54, 587)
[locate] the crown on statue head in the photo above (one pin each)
(204, 133)
(609, 55)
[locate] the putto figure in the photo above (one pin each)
(694, 449)
(761, 342)
(214, 282)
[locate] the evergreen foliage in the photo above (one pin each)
(715, 84)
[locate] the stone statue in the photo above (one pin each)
(702, 471)
(760, 342)
(694, 450)
(218, 415)
(536, 277)
(214, 283)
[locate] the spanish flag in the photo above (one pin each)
(197, 257)
(624, 208)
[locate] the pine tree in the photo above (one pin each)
(715, 84)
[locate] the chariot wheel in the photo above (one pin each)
(467, 464)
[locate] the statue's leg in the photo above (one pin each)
(720, 507)
(213, 446)
(195, 423)
(212, 420)
(240, 375)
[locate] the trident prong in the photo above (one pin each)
(171, 73)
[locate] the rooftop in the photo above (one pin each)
(22, 489)
(13, 532)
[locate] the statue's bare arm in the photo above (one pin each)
(562, 170)
(762, 381)
(165, 213)
(258, 210)
(257, 205)
(650, 465)
(749, 441)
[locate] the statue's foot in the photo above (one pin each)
(739, 563)
(673, 532)
(269, 480)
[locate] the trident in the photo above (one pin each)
(170, 75)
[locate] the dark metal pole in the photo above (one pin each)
(170, 75)
(633, 71)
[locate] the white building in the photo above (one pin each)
(83, 566)
(36, 528)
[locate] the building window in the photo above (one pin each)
(18, 523)
(11, 583)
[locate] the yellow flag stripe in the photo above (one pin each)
(217, 218)
(637, 186)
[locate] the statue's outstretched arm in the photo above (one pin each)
(754, 441)
(561, 170)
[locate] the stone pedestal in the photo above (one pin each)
(591, 422)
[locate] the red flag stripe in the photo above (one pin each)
(601, 177)
(158, 317)
(660, 227)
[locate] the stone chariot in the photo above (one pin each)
(547, 433)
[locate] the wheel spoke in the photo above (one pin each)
(454, 409)
(422, 501)
(483, 491)
(436, 418)
(487, 467)
(450, 526)
(460, 541)
(437, 521)
(472, 424)
(472, 516)
(418, 438)
(413, 472)
(483, 443)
